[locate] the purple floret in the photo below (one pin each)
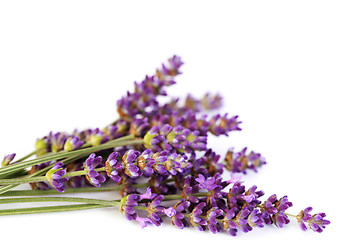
(55, 177)
(93, 177)
(315, 222)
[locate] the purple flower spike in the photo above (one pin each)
(195, 217)
(93, 177)
(211, 102)
(55, 177)
(255, 218)
(139, 127)
(178, 218)
(222, 125)
(72, 143)
(96, 137)
(7, 159)
(114, 166)
(154, 210)
(274, 210)
(166, 73)
(129, 160)
(57, 141)
(229, 222)
(212, 217)
(208, 184)
(315, 222)
(240, 162)
(127, 205)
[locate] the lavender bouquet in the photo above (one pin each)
(157, 157)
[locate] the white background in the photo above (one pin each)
(289, 69)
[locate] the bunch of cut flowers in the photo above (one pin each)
(156, 156)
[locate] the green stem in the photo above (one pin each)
(60, 155)
(291, 215)
(26, 156)
(18, 193)
(63, 208)
(58, 199)
(87, 204)
(22, 180)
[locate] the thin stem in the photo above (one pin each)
(63, 208)
(291, 215)
(19, 193)
(60, 155)
(22, 180)
(26, 156)
(58, 199)
(88, 204)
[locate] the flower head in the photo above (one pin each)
(178, 218)
(240, 161)
(113, 166)
(127, 205)
(212, 219)
(93, 177)
(72, 143)
(315, 222)
(55, 177)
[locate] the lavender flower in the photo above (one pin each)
(274, 210)
(58, 141)
(146, 92)
(127, 205)
(234, 193)
(229, 222)
(178, 218)
(179, 138)
(315, 222)
(222, 125)
(211, 102)
(7, 159)
(196, 218)
(113, 166)
(177, 163)
(154, 210)
(166, 73)
(208, 184)
(212, 219)
(55, 177)
(129, 160)
(139, 127)
(93, 177)
(120, 128)
(96, 137)
(72, 143)
(145, 163)
(240, 161)
(247, 219)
